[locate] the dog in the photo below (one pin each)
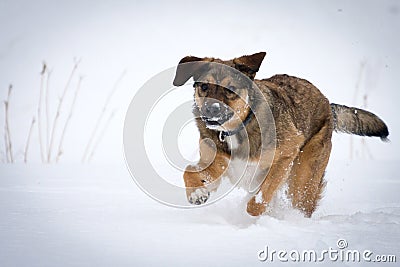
(283, 123)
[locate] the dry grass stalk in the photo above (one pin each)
(58, 112)
(47, 109)
(355, 95)
(29, 140)
(7, 157)
(100, 118)
(39, 115)
(7, 134)
(100, 137)
(60, 145)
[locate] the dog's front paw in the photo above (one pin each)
(198, 196)
(255, 208)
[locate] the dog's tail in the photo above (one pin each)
(358, 121)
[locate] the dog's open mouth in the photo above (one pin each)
(216, 122)
(212, 122)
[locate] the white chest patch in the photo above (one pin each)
(251, 177)
(232, 142)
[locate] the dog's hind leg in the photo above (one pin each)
(277, 175)
(285, 154)
(306, 178)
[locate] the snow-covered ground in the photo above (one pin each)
(69, 215)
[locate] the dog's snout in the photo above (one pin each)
(213, 109)
(214, 112)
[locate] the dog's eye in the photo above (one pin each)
(204, 87)
(232, 88)
(231, 92)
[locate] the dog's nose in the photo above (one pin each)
(213, 110)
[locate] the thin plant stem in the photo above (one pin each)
(28, 140)
(39, 115)
(6, 145)
(7, 155)
(100, 137)
(356, 89)
(60, 145)
(7, 126)
(55, 121)
(47, 110)
(100, 118)
(358, 82)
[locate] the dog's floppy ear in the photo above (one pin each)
(249, 64)
(185, 71)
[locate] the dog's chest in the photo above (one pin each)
(241, 167)
(232, 142)
(249, 173)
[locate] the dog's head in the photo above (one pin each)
(221, 87)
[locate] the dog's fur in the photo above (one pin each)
(304, 122)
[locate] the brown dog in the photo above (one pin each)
(295, 150)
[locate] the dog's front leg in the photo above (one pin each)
(202, 178)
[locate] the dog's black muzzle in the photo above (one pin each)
(215, 113)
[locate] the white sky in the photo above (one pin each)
(322, 41)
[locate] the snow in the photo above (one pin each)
(86, 215)
(259, 197)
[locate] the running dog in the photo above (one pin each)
(233, 110)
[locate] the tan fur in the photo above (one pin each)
(239, 104)
(206, 172)
(306, 177)
(304, 122)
